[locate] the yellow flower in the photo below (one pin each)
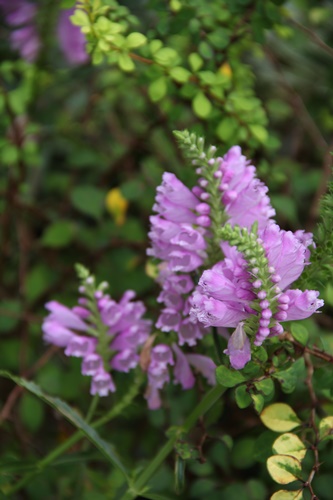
(117, 205)
(226, 70)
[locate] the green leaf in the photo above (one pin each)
(243, 398)
(266, 386)
(326, 428)
(289, 377)
(258, 402)
(125, 63)
(88, 200)
(201, 105)
(179, 74)
(280, 417)
(155, 45)
(206, 50)
(289, 444)
(287, 495)
(207, 77)
(228, 377)
(195, 61)
(72, 416)
(135, 40)
(300, 333)
(80, 18)
(227, 128)
(58, 234)
(166, 57)
(219, 38)
(157, 89)
(31, 412)
(259, 132)
(284, 469)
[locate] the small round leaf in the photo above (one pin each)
(157, 89)
(326, 428)
(287, 495)
(289, 444)
(125, 63)
(201, 105)
(284, 469)
(280, 417)
(135, 40)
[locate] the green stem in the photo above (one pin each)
(92, 408)
(205, 404)
(217, 343)
(74, 438)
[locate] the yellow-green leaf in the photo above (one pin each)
(166, 56)
(195, 61)
(227, 128)
(157, 89)
(179, 74)
(326, 428)
(259, 132)
(289, 444)
(201, 105)
(280, 417)
(125, 63)
(287, 495)
(80, 18)
(155, 45)
(284, 469)
(135, 40)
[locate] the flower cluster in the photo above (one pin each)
(253, 294)
(21, 15)
(106, 334)
(224, 263)
(178, 239)
(247, 286)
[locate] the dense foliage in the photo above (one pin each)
(90, 95)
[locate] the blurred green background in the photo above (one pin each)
(82, 149)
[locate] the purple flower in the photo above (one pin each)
(71, 40)
(158, 374)
(124, 331)
(182, 372)
(301, 305)
(56, 334)
(102, 383)
(204, 365)
(92, 363)
(244, 196)
(24, 38)
(239, 348)
(65, 316)
(125, 361)
(80, 346)
(227, 292)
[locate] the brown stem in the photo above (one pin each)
(313, 36)
(314, 351)
(312, 424)
(298, 105)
